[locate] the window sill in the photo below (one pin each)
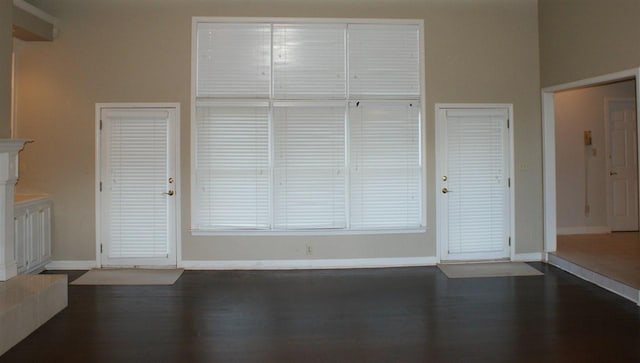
(334, 232)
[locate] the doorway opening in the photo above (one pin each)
(474, 166)
(137, 185)
(590, 138)
(596, 159)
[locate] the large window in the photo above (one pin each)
(303, 125)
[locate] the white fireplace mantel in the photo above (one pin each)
(12, 145)
(9, 149)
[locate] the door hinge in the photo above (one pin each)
(509, 241)
(100, 124)
(508, 183)
(100, 186)
(100, 247)
(508, 121)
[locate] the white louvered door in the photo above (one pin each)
(473, 185)
(138, 201)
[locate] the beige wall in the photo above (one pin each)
(576, 111)
(6, 45)
(585, 38)
(140, 51)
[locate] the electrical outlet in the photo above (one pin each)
(308, 250)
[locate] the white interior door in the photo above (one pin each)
(473, 194)
(622, 206)
(138, 185)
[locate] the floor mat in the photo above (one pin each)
(493, 269)
(129, 277)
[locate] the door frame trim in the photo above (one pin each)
(438, 167)
(98, 198)
(549, 145)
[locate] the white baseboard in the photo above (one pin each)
(308, 264)
(528, 257)
(8, 270)
(71, 265)
(606, 283)
(584, 230)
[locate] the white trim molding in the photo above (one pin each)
(308, 264)
(71, 265)
(316, 232)
(23, 5)
(13, 145)
(584, 230)
(598, 279)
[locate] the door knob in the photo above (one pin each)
(613, 173)
(170, 192)
(445, 190)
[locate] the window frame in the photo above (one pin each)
(345, 21)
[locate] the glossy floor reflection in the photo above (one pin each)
(368, 315)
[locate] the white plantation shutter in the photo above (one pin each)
(232, 166)
(309, 178)
(138, 172)
(385, 165)
(234, 60)
(477, 206)
(384, 61)
(309, 61)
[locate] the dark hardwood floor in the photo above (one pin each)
(369, 315)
